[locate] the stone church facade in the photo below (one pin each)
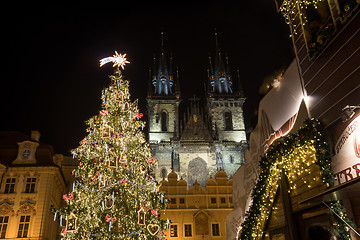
(208, 136)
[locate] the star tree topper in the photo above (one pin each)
(119, 60)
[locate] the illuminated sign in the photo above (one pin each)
(119, 60)
(346, 161)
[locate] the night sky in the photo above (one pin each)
(51, 80)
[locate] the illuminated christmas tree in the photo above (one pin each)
(113, 196)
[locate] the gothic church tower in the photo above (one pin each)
(225, 106)
(163, 100)
(211, 138)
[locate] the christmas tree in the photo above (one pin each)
(113, 196)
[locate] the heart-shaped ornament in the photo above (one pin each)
(152, 228)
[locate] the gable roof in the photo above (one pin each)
(195, 128)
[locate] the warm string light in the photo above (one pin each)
(112, 181)
(291, 8)
(300, 156)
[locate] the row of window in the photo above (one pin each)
(215, 230)
(212, 200)
(23, 228)
(11, 182)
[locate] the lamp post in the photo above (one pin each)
(348, 112)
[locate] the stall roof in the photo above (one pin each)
(348, 189)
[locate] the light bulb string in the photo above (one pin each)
(111, 185)
(336, 214)
(113, 236)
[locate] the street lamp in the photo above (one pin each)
(348, 112)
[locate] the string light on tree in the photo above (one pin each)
(114, 196)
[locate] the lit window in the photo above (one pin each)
(188, 232)
(3, 226)
(173, 231)
(23, 226)
(215, 229)
(30, 185)
(10, 185)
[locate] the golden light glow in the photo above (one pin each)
(297, 165)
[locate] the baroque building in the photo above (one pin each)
(209, 135)
(197, 212)
(33, 179)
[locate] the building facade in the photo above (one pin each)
(197, 212)
(208, 136)
(32, 184)
(321, 83)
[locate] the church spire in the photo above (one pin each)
(149, 90)
(177, 84)
(239, 87)
(162, 77)
(219, 74)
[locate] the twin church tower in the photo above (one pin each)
(209, 135)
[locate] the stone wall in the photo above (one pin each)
(155, 108)
(216, 155)
(217, 109)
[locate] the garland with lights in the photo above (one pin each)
(290, 7)
(296, 154)
(342, 223)
(321, 39)
(113, 195)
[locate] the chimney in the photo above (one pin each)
(58, 159)
(35, 135)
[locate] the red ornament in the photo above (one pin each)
(104, 112)
(124, 181)
(108, 218)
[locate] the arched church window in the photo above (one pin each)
(164, 120)
(228, 120)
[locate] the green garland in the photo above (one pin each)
(341, 227)
(311, 131)
(321, 39)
